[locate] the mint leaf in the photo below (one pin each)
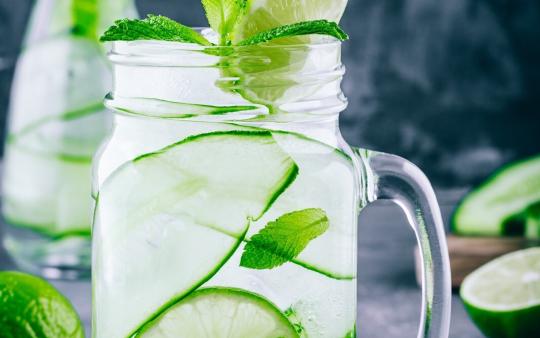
(85, 18)
(223, 16)
(322, 27)
(284, 239)
(153, 28)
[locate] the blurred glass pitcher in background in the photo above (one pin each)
(56, 123)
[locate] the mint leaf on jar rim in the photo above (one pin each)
(320, 27)
(284, 239)
(154, 27)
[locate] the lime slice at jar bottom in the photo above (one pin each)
(31, 307)
(503, 297)
(220, 313)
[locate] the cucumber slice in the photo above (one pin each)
(172, 110)
(47, 194)
(73, 136)
(172, 218)
(328, 182)
(507, 193)
(220, 313)
(323, 276)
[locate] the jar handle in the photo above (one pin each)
(396, 179)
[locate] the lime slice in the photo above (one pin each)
(267, 74)
(184, 208)
(220, 313)
(267, 14)
(31, 307)
(503, 297)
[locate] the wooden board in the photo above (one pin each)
(469, 253)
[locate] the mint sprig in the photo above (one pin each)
(154, 27)
(284, 239)
(223, 15)
(321, 27)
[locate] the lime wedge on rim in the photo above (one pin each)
(267, 75)
(266, 14)
(503, 296)
(220, 313)
(31, 307)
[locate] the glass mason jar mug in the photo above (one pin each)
(227, 200)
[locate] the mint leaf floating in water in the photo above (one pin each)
(153, 28)
(322, 27)
(223, 15)
(284, 239)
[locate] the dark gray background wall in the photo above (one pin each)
(452, 85)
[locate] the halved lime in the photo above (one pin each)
(220, 313)
(31, 307)
(503, 297)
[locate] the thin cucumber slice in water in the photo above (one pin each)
(323, 276)
(503, 296)
(506, 194)
(45, 193)
(61, 74)
(184, 208)
(327, 182)
(74, 135)
(133, 137)
(220, 313)
(172, 110)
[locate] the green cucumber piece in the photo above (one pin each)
(323, 276)
(489, 209)
(46, 194)
(185, 208)
(532, 222)
(220, 313)
(327, 182)
(71, 136)
(169, 109)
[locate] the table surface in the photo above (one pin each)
(388, 296)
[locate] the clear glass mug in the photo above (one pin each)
(226, 186)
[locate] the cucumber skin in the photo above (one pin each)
(454, 221)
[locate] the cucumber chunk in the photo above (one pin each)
(487, 210)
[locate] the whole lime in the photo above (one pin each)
(31, 307)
